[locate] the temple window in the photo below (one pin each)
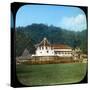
(47, 51)
(55, 52)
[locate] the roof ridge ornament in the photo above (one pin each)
(45, 38)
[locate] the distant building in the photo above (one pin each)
(25, 52)
(45, 48)
(25, 55)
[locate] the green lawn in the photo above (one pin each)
(50, 74)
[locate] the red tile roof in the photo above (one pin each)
(60, 46)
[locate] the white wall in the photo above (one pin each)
(62, 49)
(43, 51)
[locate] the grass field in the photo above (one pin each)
(50, 74)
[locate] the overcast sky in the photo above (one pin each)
(71, 18)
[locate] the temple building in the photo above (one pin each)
(45, 48)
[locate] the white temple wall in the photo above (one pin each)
(44, 51)
(62, 49)
(47, 51)
(64, 55)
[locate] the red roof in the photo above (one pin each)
(60, 46)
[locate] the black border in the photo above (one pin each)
(14, 9)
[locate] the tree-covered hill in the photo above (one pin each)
(27, 37)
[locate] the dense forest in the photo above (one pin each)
(28, 36)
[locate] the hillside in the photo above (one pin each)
(27, 37)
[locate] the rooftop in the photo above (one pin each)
(60, 46)
(45, 42)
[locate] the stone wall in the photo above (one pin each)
(48, 60)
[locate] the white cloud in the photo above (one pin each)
(76, 23)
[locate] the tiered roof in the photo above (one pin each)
(60, 46)
(45, 42)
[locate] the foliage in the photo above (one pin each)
(27, 37)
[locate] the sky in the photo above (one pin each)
(66, 17)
